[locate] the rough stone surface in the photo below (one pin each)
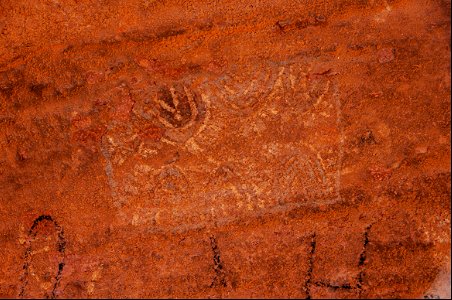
(264, 148)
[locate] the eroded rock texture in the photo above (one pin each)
(166, 148)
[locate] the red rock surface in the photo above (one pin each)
(166, 148)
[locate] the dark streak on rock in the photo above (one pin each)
(37, 89)
(170, 33)
(61, 247)
(220, 278)
(361, 264)
(346, 286)
(307, 285)
(362, 260)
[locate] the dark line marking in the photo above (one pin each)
(61, 247)
(361, 264)
(220, 278)
(307, 285)
(431, 296)
(362, 259)
(170, 33)
(346, 286)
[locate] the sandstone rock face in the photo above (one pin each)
(166, 148)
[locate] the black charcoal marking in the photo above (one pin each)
(61, 247)
(431, 296)
(57, 280)
(307, 285)
(220, 278)
(361, 267)
(362, 259)
(346, 286)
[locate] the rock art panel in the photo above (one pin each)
(285, 117)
